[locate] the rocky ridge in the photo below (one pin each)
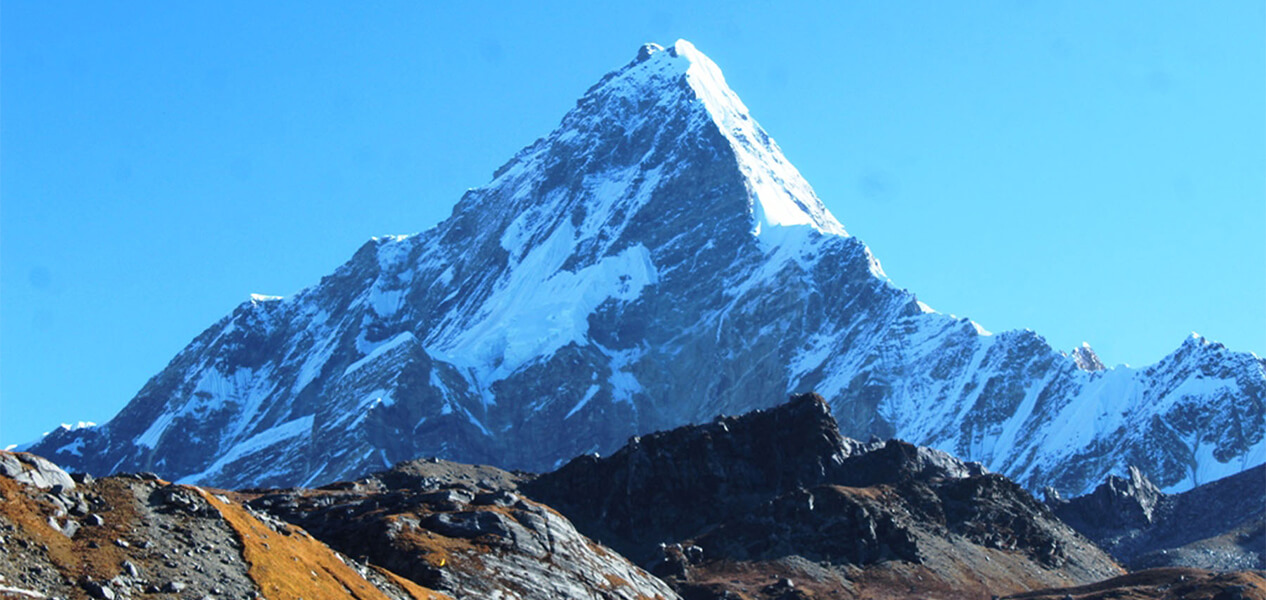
(652, 262)
(731, 506)
(463, 530)
(1220, 525)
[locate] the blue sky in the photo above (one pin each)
(1093, 171)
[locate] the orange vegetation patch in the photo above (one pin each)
(31, 519)
(296, 565)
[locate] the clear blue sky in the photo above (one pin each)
(1093, 171)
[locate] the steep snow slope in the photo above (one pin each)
(654, 261)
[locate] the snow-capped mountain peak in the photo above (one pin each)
(653, 261)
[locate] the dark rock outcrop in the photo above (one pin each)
(780, 489)
(1219, 525)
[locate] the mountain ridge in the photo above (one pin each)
(652, 262)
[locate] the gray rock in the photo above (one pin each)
(131, 569)
(34, 470)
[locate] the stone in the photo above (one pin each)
(131, 569)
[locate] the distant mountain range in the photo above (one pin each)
(654, 261)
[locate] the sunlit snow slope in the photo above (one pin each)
(654, 261)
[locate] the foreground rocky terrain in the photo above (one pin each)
(464, 530)
(653, 262)
(138, 536)
(775, 504)
(1163, 584)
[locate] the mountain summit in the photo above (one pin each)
(653, 261)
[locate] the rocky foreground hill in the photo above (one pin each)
(773, 504)
(654, 261)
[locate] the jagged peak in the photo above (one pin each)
(1086, 359)
(663, 83)
(780, 195)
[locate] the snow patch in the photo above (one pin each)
(589, 394)
(286, 432)
(380, 350)
(539, 307)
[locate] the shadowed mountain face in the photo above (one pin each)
(1219, 525)
(742, 502)
(652, 262)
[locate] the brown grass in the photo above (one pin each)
(297, 565)
(32, 520)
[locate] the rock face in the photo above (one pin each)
(465, 531)
(654, 261)
(781, 493)
(1219, 525)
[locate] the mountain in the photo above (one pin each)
(653, 261)
(727, 508)
(1219, 525)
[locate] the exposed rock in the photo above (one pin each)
(782, 493)
(465, 538)
(1162, 584)
(1219, 525)
(187, 542)
(34, 470)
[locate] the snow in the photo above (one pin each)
(75, 447)
(781, 197)
(380, 350)
(149, 438)
(538, 307)
(286, 432)
(316, 358)
(589, 394)
(385, 303)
